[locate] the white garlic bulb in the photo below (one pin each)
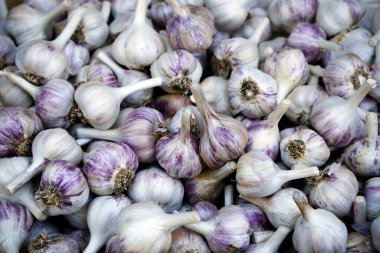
(77, 56)
(372, 195)
(185, 240)
(315, 226)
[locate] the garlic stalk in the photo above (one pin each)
(372, 195)
(261, 236)
(360, 223)
(139, 45)
(102, 216)
(208, 185)
(151, 221)
(100, 104)
(185, 240)
(255, 16)
(223, 139)
(375, 93)
(272, 244)
(258, 176)
(267, 48)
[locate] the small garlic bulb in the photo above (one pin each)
(145, 227)
(101, 218)
(63, 189)
(305, 147)
(190, 28)
(252, 92)
(315, 226)
(223, 139)
(256, 217)
(185, 240)
(7, 51)
(96, 71)
(272, 244)
(334, 190)
(280, 208)
(372, 195)
(139, 45)
(258, 176)
(363, 156)
(289, 68)
(77, 56)
(155, 185)
(109, 167)
(375, 230)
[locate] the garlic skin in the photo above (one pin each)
(185, 240)
(15, 225)
(206, 210)
(102, 217)
(160, 12)
(18, 128)
(155, 185)
(375, 230)
(305, 147)
(51, 144)
(154, 227)
(208, 185)
(252, 23)
(223, 139)
(54, 243)
(303, 99)
(287, 14)
(96, 71)
(272, 244)
(344, 75)
(258, 176)
(335, 16)
(190, 28)
(337, 185)
(13, 96)
(139, 45)
(7, 51)
(363, 155)
(289, 68)
(78, 219)
(113, 245)
(256, 217)
(316, 225)
(82, 238)
(252, 92)
(267, 48)
(372, 194)
(77, 55)
(359, 243)
(63, 189)
(43, 5)
(178, 70)
(109, 167)
(227, 231)
(169, 104)
(337, 119)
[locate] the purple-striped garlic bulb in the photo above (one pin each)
(272, 244)
(223, 139)
(96, 71)
(109, 167)
(160, 12)
(178, 153)
(7, 51)
(185, 240)
(206, 210)
(113, 245)
(18, 128)
(63, 189)
(256, 217)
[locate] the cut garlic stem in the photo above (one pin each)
(371, 125)
(316, 70)
(122, 92)
(255, 38)
(106, 10)
(22, 83)
(359, 95)
(92, 133)
(62, 39)
(181, 219)
(314, 81)
(275, 116)
(51, 15)
(140, 12)
(3, 9)
(201, 101)
(185, 130)
(104, 58)
(302, 204)
(329, 45)
(82, 142)
(35, 168)
(228, 195)
(223, 171)
(261, 236)
(300, 173)
(360, 210)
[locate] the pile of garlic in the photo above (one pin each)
(190, 126)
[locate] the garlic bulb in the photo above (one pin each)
(109, 167)
(51, 144)
(344, 75)
(38, 228)
(121, 6)
(256, 217)
(363, 155)
(223, 139)
(337, 119)
(280, 208)
(185, 240)
(82, 238)
(78, 219)
(264, 135)
(120, 23)
(53, 243)
(272, 244)
(303, 99)
(102, 217)
(43, 5)
(178, 70)
(15, 225)
(372, 194)
(375, 230)
(13, 96)
(96, 71)
(100, 104)
(141, 130)
(113, 245)
(206, 210)
(154, 227)
(154, 185)
(289, 68)
(258, 176)
(160, 12)
(169, 104)
(18, 128)
(227, 231)
(334, 190)
(252, 92)
(7, 51)
(287, 14)
(208, 185)
(40, 60)
(139, 45)
(267, 48)
(190, 28)
(305, 147)
(25, 23)
(77, 56)
(311, 39)
(335, 16)
(235, 52)
(178, 153)
(252, 23)
(316, 225)
(53, 100)
(375, 28)
(63, 189)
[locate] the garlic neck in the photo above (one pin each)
(316, 70)
(329, 45)
(73, 23)
(228, 195)
(275, 116)
(51, 15)
(302, 204)
(360, 209)
(274, 242)
(140, 12)
(122, 92)
(92, 133)
(176, 7)
(204, 228)
(314, 81)
(260, 202)
(106, 10)
(255, 38)
(371, 126)
(181, 219)
(185, 130)
(119, 72)
(94, 245)
(300, 173)
(223, 172)
(355, 100)
(22, 83)
(200, 100)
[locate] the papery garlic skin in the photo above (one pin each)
(97, 71)
(256, 217)
(63, 189)
(372, 195)
(185, 240)
(77, 55)
(155, 185)
(306, 147)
